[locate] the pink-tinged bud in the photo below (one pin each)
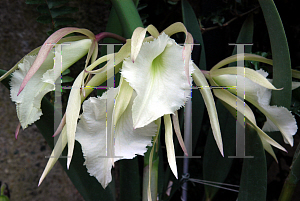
(17, 130)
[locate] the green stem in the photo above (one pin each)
(293, 178)
(154, 179)
(288, 189)
(128, 16)
(3, 186)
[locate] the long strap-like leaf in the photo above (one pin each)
(282, 75)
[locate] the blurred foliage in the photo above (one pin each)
(53, 12)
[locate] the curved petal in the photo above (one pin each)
(188, 46)
(56, 153)
(138, 37)
(239, 57)
(158, 93)
(252, 75)
(46, 48)
(29, 102)
(253, 91)
(201, 82)
(91, 134)
(278, 118)
(170, 145)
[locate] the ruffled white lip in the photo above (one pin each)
(28, 102)
(158, 77)
(91, 134)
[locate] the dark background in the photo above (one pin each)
(22, 161)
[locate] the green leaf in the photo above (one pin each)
(62, 11)
(63, 21)
(43, 9)
(66, 79)
(253, 185)
(215, 166)
(128, 16)
(191, 23)
(130, 187)
(88, 186)
(293, 178)
(35, 1)
(67, 71)
(296, 163)
(282, 75)
(54, 3)
(245, 37)
(44, 19)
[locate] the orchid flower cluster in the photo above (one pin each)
(156, 81)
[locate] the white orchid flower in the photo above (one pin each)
(158, 78)
(28, 103)
(278, 118)
(36, 75)
(257, 92)
(155, 82)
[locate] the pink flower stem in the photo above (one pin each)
(103, 35)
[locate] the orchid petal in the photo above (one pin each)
(56, 152)
(295, 85)
(91, 53)
(239, 57)
(265, 139)
(72, 113)
(118, 58)
(295, 74)
(15, 67)
(170, 145)
(122, 100)
(158, 123)
(138, 38)
(269, 149)
(278, 118)
(149, 77)
(29, 103)
(178, 133)
(201, 82)
(74, 103)
(92, 128)
(231, 100)
(188, 46)
(47, 46)
(252, 75)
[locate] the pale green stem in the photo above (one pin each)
(154, 180)
(293, 178)
(3, 186)
(287, 189)
(128, 16)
